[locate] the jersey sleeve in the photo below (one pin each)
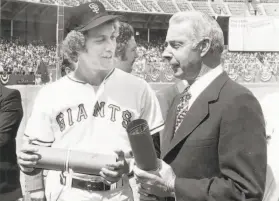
(39, 127)
(151, 111)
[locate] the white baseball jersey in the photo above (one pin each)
(72, 114)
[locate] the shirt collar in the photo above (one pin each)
(82, 82)
(201, 83)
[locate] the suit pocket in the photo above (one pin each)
(201, 143)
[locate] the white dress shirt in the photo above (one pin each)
(200, 84)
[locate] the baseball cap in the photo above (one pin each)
(87, 16)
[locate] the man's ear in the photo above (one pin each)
(204, 46)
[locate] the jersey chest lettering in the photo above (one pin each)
(100, 111)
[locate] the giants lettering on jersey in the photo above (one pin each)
(99, 111)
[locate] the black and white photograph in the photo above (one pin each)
(139, 100)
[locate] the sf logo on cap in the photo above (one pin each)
(94, 7)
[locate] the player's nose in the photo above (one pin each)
(110, 46)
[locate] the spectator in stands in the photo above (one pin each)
(17, 57)
(126, 48)
(214, 142)
(11, 113)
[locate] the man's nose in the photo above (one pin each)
(167, 55)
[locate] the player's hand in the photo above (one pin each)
(38, 195)
(28, 157)
(112, 173)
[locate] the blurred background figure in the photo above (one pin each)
(126, 48)
(66, 67)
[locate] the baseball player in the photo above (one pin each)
(88, 110)
(126, 48)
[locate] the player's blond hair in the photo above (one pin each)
(75, 41)
(203, 26)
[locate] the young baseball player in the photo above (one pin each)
(88, 110)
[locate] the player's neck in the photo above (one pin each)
(95, 78)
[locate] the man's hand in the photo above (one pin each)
(159, 183)
(112, 173)
(38, 195)
(28, 157)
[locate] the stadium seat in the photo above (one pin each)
(269, 1)
(199, 0)
(183, 5)
(134, 5)
(77, 2)
(219, 8)
(271, 9)
(118, 5)
(151, 6)
(106, 4)
(203, 7)
(237, 8)
(167, 6)
(255, 8)
(48, 1)
(71, 2)
(236, 1)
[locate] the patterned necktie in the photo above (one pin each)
(182, 108)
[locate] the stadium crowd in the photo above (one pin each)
(21, 58)
(252, 62)
(18, 57)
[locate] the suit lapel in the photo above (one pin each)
(169, 125)
(196, 114)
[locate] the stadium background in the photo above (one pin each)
(31, 32)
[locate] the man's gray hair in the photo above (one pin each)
(203, 26)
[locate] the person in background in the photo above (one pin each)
(126, 48)
(66, 67)
(125, 56)
(11, 114)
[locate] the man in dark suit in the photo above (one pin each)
(214, 142)
(10, 117)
